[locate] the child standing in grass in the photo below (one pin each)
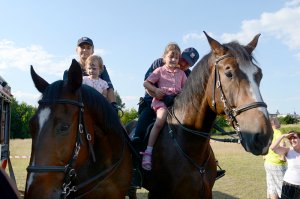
(170, 80)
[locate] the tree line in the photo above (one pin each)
(22, 112)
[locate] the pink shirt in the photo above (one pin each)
(171, 82)
(98, 84)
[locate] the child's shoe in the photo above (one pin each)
(146, 163)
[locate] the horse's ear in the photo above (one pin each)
(74, 76)
(252, 45)
(39, 82)
(216, 47)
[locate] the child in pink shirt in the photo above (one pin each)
(94, 67)
(170, 80)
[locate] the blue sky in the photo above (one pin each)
(131, 34)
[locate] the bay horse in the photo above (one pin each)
(225, 81)
(79, 147)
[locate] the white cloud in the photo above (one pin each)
(28, 98)
(282, 25)
(13, 56)
(21, 58)
(292, 3)
(193, 36)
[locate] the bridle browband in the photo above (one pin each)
(69, 169)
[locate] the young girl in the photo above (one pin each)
(170, 80)
(94, 67)
(291, 179)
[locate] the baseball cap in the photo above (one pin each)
(85, 40)
(191, 55)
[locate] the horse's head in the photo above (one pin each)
(53, 128)
(233, 89)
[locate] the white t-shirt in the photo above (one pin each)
(292, 174)
(98, 84)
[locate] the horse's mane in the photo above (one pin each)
(100, 108)
(196, 82)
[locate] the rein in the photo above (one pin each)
(68, 169)
(205, 134)
(201, 169)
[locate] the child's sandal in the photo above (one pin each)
(146, 162)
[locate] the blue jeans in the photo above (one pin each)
(146, 117)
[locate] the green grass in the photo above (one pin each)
(245, 175)
(289, 127)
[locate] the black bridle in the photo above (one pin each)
(69, 170)
(230, 112)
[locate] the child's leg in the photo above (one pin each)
(161, 116)
(159, 122)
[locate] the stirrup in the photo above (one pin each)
(220, 174)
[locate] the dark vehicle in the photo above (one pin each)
(5, 111)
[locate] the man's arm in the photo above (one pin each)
(158, 93)
(111, 95)
(156, 64)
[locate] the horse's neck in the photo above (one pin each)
(195, 114)
(199, 118)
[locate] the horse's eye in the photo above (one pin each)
(228, 74)
(63, 128)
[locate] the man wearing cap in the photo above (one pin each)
(85, 48)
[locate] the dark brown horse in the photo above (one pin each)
(225, 81)
(79, 147)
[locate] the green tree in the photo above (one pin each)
(129, 115)
(119, 100)
(287, 120)
(221, 122)
(20, 116)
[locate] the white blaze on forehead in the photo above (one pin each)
(250, 71)
(43, 117)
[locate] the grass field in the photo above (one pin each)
(245, 174)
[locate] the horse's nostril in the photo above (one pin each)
(258, 139)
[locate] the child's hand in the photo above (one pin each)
(159, 93)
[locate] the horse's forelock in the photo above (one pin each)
(240, 53)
